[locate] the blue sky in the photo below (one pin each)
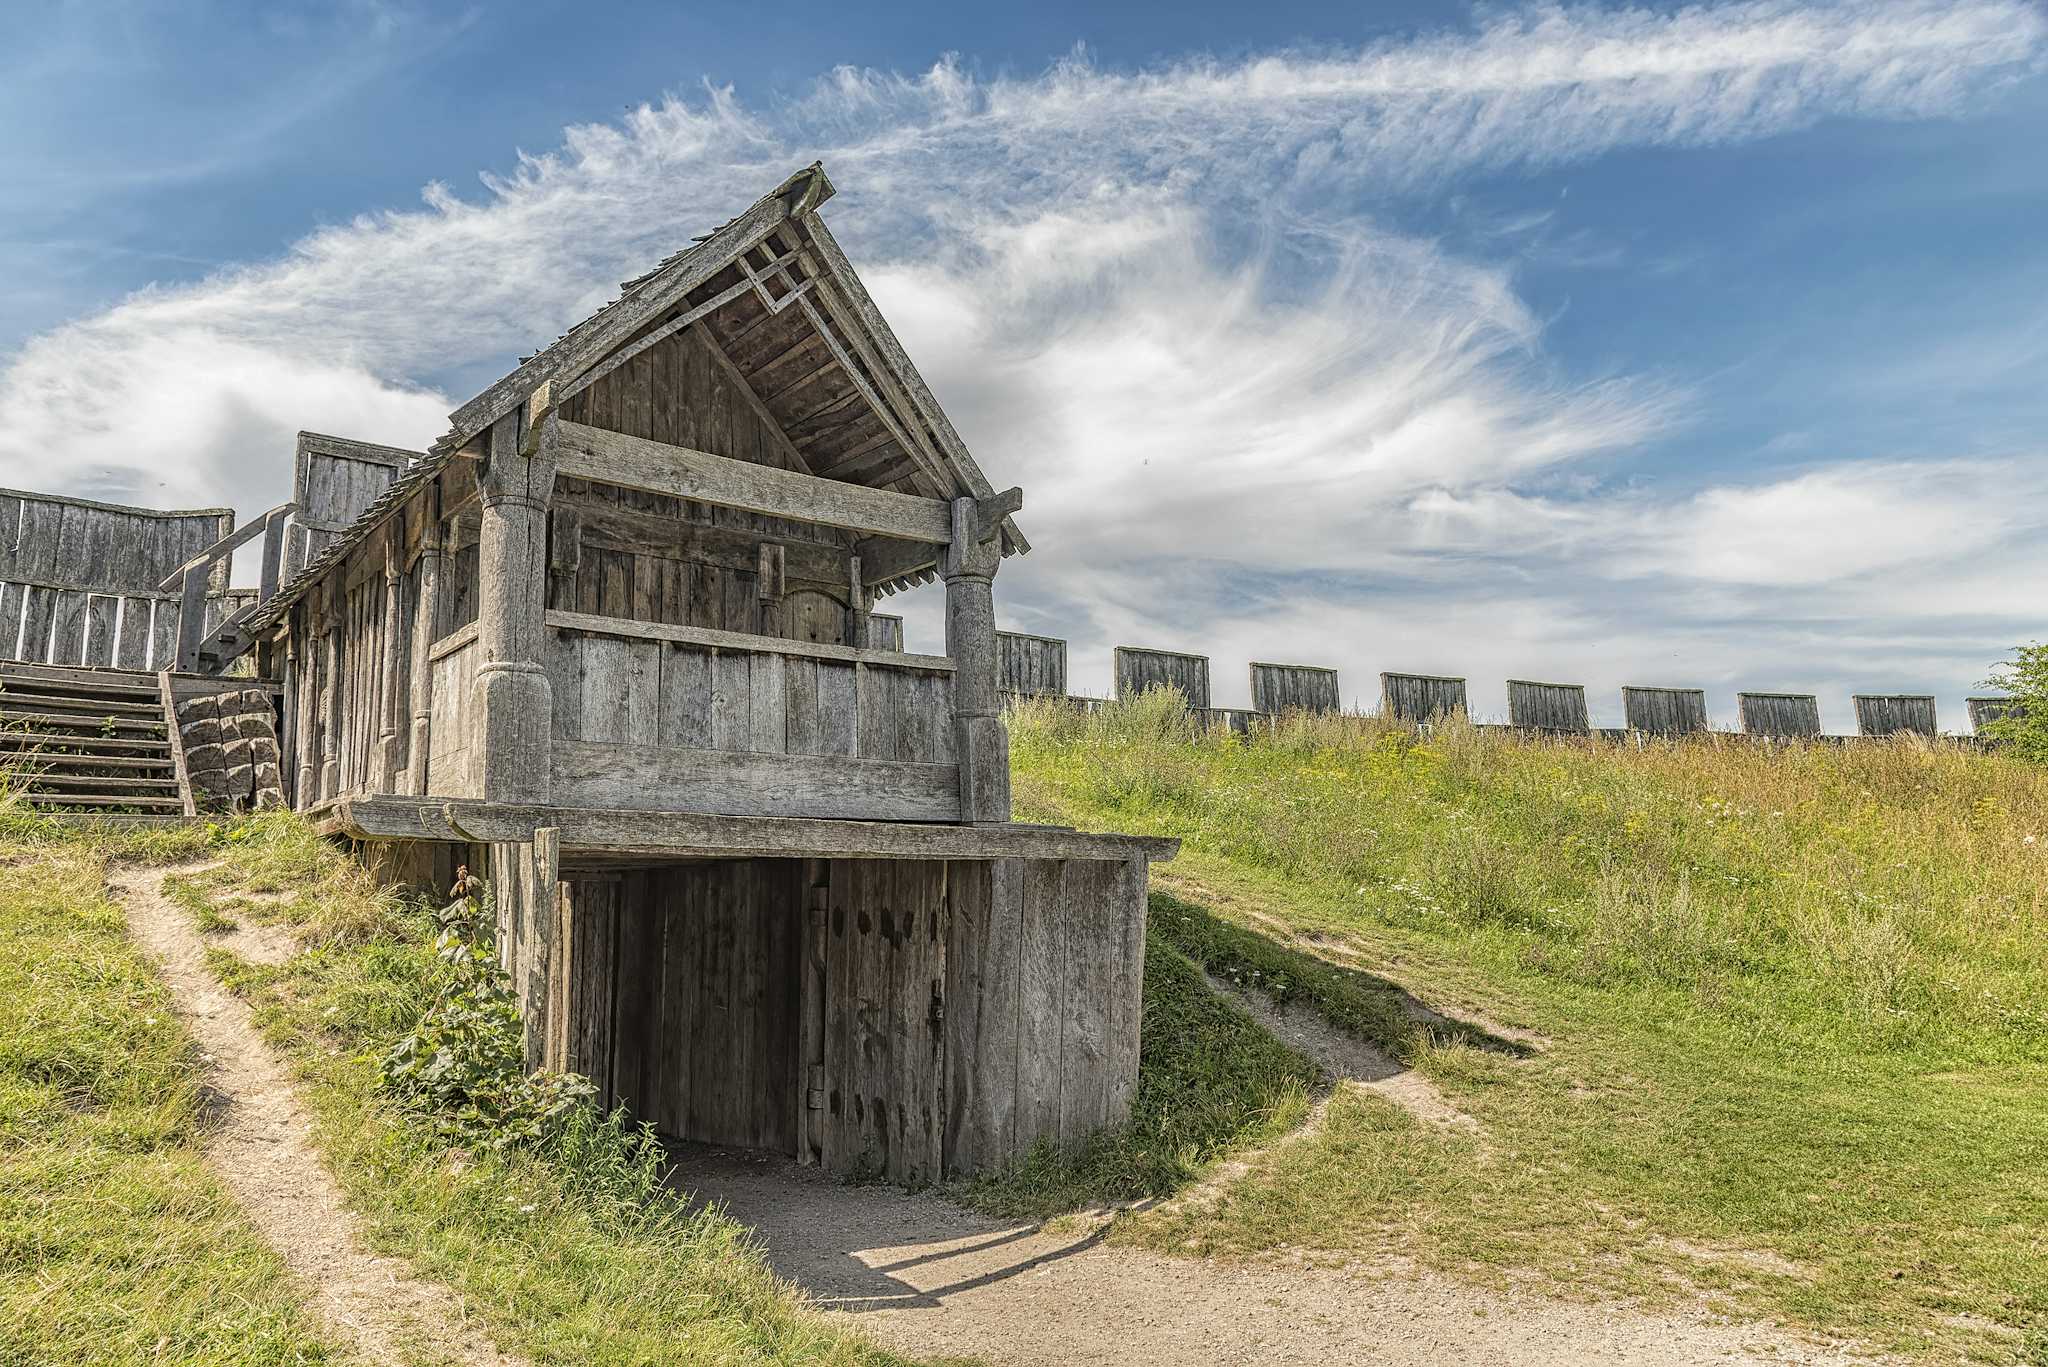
(1661, 345)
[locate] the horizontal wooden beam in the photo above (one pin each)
(713, 639)
(614, 458)
(692, 835)
(752, 783)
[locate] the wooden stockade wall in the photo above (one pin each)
(1291, 688)
(334, 481)
(1138, 669)
(1547, 706)
(899, 1018)
(1664, 711)
(1421, 698)
(1891, 714)
(1984, 711)
(1031, 666)
(78, 579)
(1779, 715)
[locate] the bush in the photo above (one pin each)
(2023, 730)
(462, 1066)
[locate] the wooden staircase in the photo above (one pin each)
(88, 742)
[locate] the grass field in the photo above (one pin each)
(1790, 1008)
(1767, 1026)
(117, 1246)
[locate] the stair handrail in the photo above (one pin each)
(192, 576)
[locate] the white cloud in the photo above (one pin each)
(1242, 409)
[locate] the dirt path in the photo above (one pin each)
(929, 1278)
(260, 1149)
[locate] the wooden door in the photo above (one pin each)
(877, 960)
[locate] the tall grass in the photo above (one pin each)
(1892, 892)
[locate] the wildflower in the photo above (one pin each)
(2027, 841)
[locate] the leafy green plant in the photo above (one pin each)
(2023, 729)
(462, 1067)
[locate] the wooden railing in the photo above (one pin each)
(691, 719)
(194, 579)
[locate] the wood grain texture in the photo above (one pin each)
(1138, 669)
(1779, 715)
(1421, 698)
(1278, 688)
(1031, 666)
(1895, 714)
(1664, 711)
(1552, 707)
(740, 783)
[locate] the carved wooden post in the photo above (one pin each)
(305, 670)
(512, 741)
(390, 699)
(426, 611)
(335, 622)
(981, 744)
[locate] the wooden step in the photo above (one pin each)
(73, 701)
(165, 804)
(30, 783)
(123, 681)
(26, 742)
(53, 759)
(77, 720)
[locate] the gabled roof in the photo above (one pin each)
(774, 294)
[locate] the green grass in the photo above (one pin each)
(566, 1255)
(117, 1245)
(1791, 1006)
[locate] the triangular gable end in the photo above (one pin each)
(759, 343)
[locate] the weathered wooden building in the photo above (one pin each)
(610, 641)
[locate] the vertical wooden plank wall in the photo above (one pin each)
(677, 995)
(1045, 985)
(885, 631)
(78, 579)
(1547, 706)
(1138, 669)
(1781, 715)
(1289, 688)
(1984, 711)
(1892, 714)
(1664, 711)
(1031, 666)
(1420, 698)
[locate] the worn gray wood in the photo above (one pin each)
(1278, 688)
(635, 462)
(685, 834)
(740, 783)
(742, 641)
(1780, 715)
(1985, 710)
(1548, 706)
(885, 632)
(1664, 711)
(1421, 698)
(1138, 669)
(1892, 714)
(1031, 666)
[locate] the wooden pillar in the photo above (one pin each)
(305, 666)
(426, 612)
(330, 694)
(391, 699)
(511, 742)
(981, 744)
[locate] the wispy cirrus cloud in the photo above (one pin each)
(1160, 299)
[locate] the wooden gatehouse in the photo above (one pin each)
(607, 642)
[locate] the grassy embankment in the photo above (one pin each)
(1791, 1011)
(117, 1245)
